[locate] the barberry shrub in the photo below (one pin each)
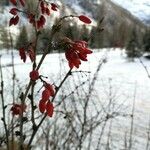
(75, 52)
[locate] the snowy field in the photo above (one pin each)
(126, 81)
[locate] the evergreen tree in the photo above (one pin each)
(84, 33)
(31, 5)
(43, 40)
(123, 30)
(97, 36)
(70, 31)
(5, 39)
(22, 39)
(4, 2)
(133, 46)
(92, 39)
(146, 41)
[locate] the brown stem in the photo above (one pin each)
(21, 116)
(144, 68)
(58, 88)
(38, 126)
(13, 89)
(35, 131)
(30, 83)
(132, 120)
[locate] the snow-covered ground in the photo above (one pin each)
(127, 80)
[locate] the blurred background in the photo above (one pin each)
(105, 104)
(115, 24)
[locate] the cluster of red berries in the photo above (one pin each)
(23, 54)
(76, 52)
(45, 9)
(45, 106)
(36, 20)
(14, 11)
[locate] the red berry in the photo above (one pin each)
(34, 75)
(31, 54)
(45, 95)
(14, 2)
(49, 109)
(22, 54)
(85, 19)
(13, 11)
(54, 7)
(50, 88)
(14, 20)
(41, 22)
(42, 106)
(22, 2)
(47, 11)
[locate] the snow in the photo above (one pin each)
(117, 67)
(125, 78)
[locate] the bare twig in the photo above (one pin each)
(3, 106)
(144, 67)
(132, 120)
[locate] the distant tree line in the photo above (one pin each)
(131, 39)
(4, 2)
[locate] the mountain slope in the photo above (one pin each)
(108, 9)
(139, 8)
(118, 23)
